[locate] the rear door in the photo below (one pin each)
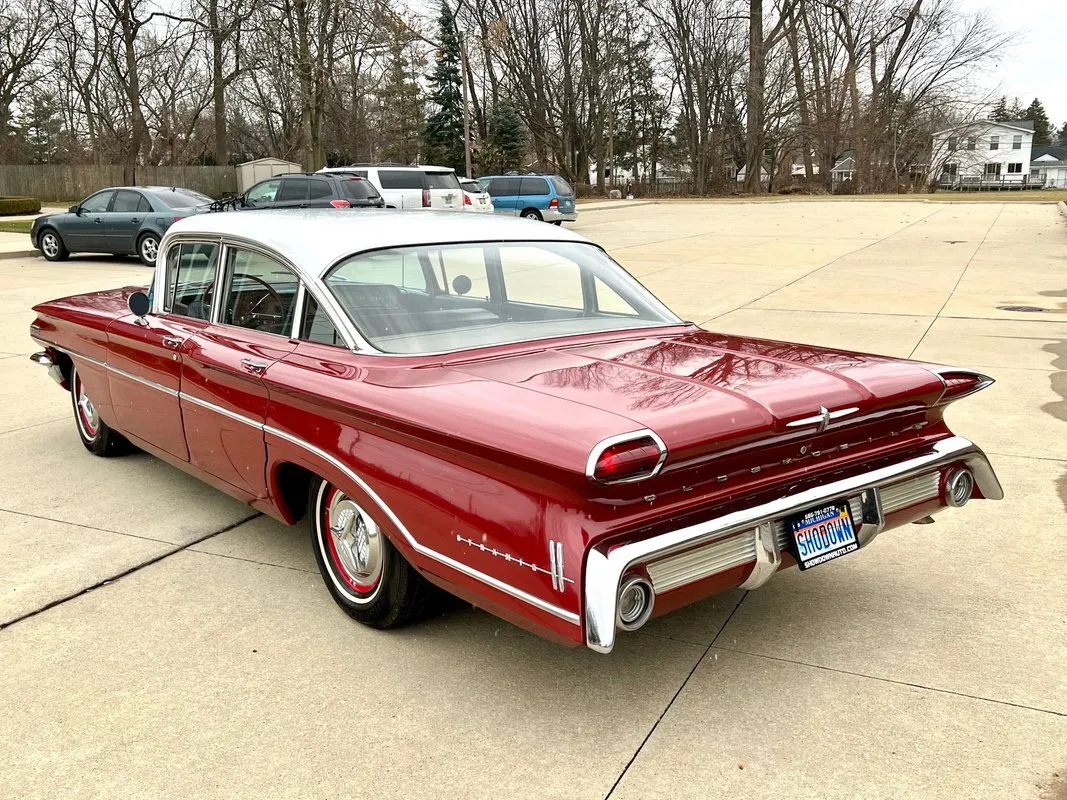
(534, 193)
(293, 193)
(320, 193)
(224, 397)
(505, 194)
(86, 231)
(124, 221)
(445, 191)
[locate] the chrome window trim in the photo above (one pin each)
(298, 312)
(159, 276)
(604, 444)
(499, 585)
(604, 571)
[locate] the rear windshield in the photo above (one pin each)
(181, 198)
(401, 178)
(442, 180)
(358, 190)
(472, 186)
(562, 187)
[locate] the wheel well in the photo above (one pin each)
(530, 208)
(291, 485)
(148, 232)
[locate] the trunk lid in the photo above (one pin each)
(704, 392)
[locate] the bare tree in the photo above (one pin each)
(25, 26)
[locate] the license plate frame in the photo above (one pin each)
(813, 547)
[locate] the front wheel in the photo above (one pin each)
(148, 249)
(98, 438)
(365, 574)
(52, 246)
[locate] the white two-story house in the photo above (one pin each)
(984, 155)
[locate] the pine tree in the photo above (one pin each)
(1000, 111)
(506, 142)
(401, 114)
(443, 132)
(1042, 127)
(1062, 138)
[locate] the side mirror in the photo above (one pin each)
(139, 304)
(75, 210)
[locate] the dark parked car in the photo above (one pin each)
(312, 190)
(124, 220)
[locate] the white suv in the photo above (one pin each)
(417, 186)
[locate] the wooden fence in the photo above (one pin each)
(62, 182)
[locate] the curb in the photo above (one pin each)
(18, 254)
(610, 205)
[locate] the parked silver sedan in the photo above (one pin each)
(125, 220)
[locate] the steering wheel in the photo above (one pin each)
(248, 308)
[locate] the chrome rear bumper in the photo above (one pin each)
(54, 370)
(755, 533)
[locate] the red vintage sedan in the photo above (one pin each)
(498, 409)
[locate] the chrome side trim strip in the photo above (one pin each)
(519, 594)
(552, 562)
(220, 410)
(143, 381)
(604, 571)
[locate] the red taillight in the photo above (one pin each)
(467, 200)
(425, 198)
(629, 460)
(554, 203)
(961, 384)
(178, 219)
(340, 204)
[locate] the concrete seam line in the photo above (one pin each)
(82, 525)
(993, 700)
(135, 568)
(685, 683)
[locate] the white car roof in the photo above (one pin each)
(315, 238)
(423, 167)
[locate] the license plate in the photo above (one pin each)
(481, 200)
(823, 534)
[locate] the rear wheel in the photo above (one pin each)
(532, 213)
(52, 247)
(95, 434)
(148, 248)
(365, 574)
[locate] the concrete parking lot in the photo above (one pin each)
(209, 661)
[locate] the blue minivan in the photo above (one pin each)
(541, 197)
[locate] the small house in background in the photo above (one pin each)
(1048, 166)
(251, 172)
(844, 170)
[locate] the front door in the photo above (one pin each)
(86, 231)
(145, 359)
(224, 397)
(123, 222)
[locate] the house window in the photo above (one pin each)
(972, 142)
(950, 169)
(953, 143)
(1015, 169)
(994, 142)
(1017, 142)
(992, 170)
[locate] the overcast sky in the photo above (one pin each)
(1037, 65)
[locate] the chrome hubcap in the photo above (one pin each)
(87, 416)
(356, 541)
(49, 244)
(149, 248)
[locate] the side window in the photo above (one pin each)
(537, 275)
(504, 187)
(98, 202)
(260, 292)
(316, 326)
(318, 189)
(450, 263)
(143, 206)
(401, 178)
(398, 268)
(533, 186)
(127, 201)
(293, 190)
(191, 279)
(263, 193)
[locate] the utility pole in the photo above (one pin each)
(466, 105)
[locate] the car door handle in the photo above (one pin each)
(172, 342)
(99, 221)
(134, 221)
(255, 367)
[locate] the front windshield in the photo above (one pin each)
(442, 298)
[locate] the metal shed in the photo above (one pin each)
(251, 172)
